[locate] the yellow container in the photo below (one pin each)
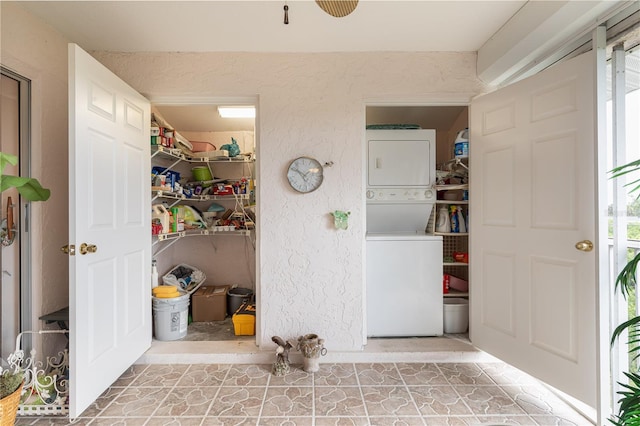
(244, 320)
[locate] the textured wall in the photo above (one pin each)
(310, 276)
(39, 53)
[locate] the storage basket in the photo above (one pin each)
(9, 407)
(189, 287)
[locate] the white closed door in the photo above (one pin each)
(533, 197)
(109, 210)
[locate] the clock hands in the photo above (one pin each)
(303, 174)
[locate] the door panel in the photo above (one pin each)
(533, 301)
(109, 191)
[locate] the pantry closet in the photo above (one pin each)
(218, 236)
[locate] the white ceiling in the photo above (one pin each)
(506, 33)
(257, 26)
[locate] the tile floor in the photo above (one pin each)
(390, 393)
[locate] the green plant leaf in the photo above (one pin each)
(629, 412)
(625, 168)
(631, 167)
(7, 159)
(29, 188)
(10, 381)
(633, 322)
(626, 279)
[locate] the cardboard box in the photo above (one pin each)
(244, 320)
(209, 303)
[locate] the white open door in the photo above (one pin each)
(109, 199)
(533, 189)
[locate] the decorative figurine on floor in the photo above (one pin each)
(311, 347)
(281, 366)
(340, 219)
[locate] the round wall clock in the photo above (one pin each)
(305, 174)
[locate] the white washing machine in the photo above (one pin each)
(404, 285)
(404, 263)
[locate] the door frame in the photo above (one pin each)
(433, 100)
(24, 210)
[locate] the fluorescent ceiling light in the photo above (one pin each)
(237, 112)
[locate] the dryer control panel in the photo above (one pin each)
(403, 195)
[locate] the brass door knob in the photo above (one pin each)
(69, 249)
(87, 248)
(584, 245)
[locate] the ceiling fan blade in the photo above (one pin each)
(338, 8)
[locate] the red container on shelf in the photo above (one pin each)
(461, 257)
(458, 284)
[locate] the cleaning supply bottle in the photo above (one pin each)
(443, 223)
(160, 212)
(461, 144)
(174, 219)
(461, 222)
(154, 274)
(455, 224)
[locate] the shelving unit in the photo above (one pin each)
(172, 158)
(453, 241)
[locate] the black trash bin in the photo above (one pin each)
(235, 297)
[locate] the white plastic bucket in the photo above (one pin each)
(456, 315)
(170, 317)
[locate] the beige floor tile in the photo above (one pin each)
(192, 401)
(174, 421)
(286, 421)
(488, 400)
(336, 375)
(388, 401)
(396, 421)
(204, 375)
(230, 421)
(379, 374)
(451, 421)
(237, 402)
(288, 402)
(421, 374)
(441, 400)
(339, 402)
(160, 375)
(248, 375)
(296, 377)
(342, 421)
(507, 420)
(464, 374)
(102, 402)
(135, 402)
(119, 421)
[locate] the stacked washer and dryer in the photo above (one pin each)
(404, 262)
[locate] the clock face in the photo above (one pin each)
(305, 174)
